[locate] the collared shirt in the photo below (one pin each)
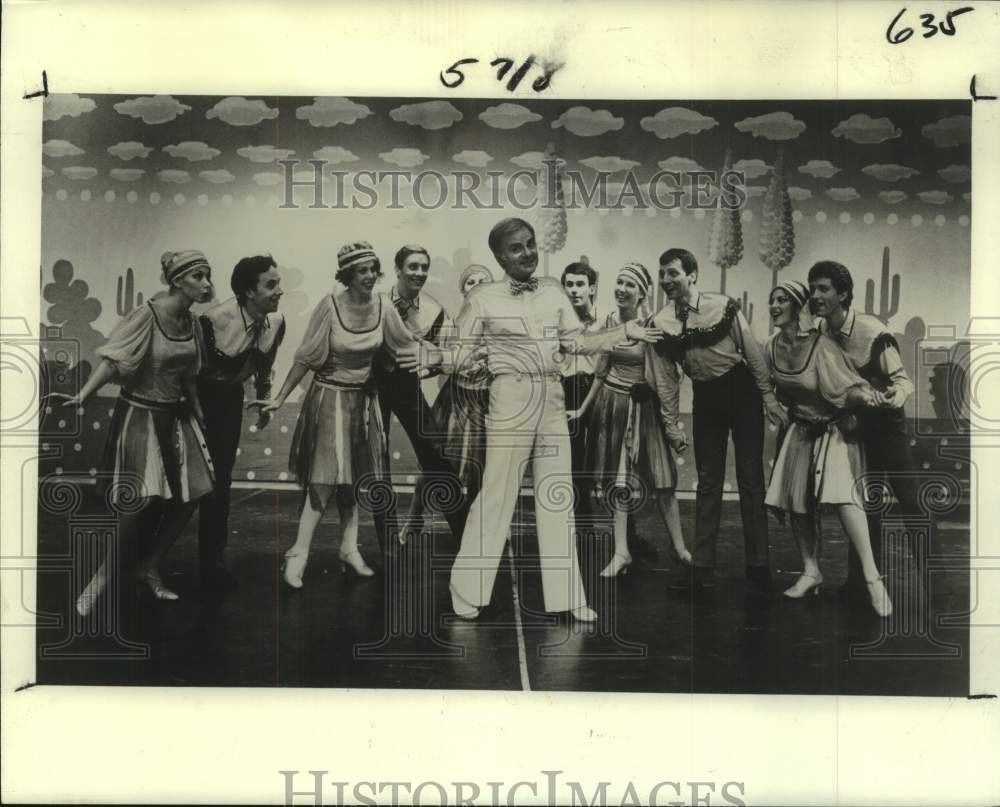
(574, 363)
(237, 345)
(872, 351)
(527, 333)
(707, 345)
(423, 316)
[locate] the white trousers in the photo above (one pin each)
(526, 419)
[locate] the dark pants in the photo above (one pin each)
(887, 452)
(729, 404)
(223, 407)
(575, 389)
(400, 394)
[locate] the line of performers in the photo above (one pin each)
(529, 374)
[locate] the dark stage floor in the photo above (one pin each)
(391, 631)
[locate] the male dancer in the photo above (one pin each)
(709, 336)
(874, 353)
(523, 324)
(399, 390)
(242, 335)
(579, 280)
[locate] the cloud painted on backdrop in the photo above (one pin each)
(192, 151)
(79, 172)
(772, 126)
(609, 165)
(219, 177)
(327, 112)
(863, 128)
(799, 194)
(475, 159)
(264, 154)
(529, 160)
(173, 176)
(936, 197)
(955, 173)
(129, 150)
(61, 105)
(239, 111)
(127, 174)
(430, 115)
(674, 121)
(892, 197)
(152, 109)
(890, 172)
(335, 155)
(508, 116)
(951, 131)
(404, 158)
(819, 169)
(60, 148)
(586, 122)
(751, 169)
(843, 194)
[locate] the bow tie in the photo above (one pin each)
(520, 286)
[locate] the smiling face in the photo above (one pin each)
(196, 285)
(676, 284)
(581, 293)
(267, 294)
(364, 278)
(518, 255)
(825, 299)
(413, 274)
(782, 307)
(627, 294)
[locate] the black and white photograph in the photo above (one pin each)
(492, 384)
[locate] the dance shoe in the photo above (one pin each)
(151, 579)
(680, 557)
(806, 584)
(879, 597)
(618, 566)
(356, 563)
(293, 568)
(584, 614)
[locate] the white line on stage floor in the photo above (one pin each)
(522, 653)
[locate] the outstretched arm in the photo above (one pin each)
(295, 374)
(102, 375)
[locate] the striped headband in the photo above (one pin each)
(638, 273)
(796, 290)
(175, 264)
(353, 254)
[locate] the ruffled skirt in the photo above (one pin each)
(155, 450)
(813, 470)
(626, 444)
(339, 439)
(460, 415)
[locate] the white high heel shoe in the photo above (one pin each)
(806, 584)
(356, 562)
(618, 566)
(879, 597)
(293, 568)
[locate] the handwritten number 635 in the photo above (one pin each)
(897, 36)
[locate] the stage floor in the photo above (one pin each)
(396, 630)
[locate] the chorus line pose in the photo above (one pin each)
(821, 457)
(874, 354)
(709, 336)
(632, 409)
(242, 336)
(339, 439)
(156, 461)
(524, 324)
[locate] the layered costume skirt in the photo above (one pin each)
(339, 439)
(626, 443)
(818, 463)
(460, 414)
(155, 450)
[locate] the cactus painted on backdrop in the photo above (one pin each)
(888, 303)
(777, 233)
(551, 213)
(725, 243)
(125, 299)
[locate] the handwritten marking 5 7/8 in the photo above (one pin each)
(897, 36)
(455, 76)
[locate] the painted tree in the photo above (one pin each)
(73, 310)
(777, 234)
(551, 214)
(125, 298)
(725, 242)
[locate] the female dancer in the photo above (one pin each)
(156, 455)
(460, 414)
(339, 438)
(633, 405)
(821, 457)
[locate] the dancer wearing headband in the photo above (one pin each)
(339, 440)
(524, 324)
(821, 458)
(632, 425)
(156, 465)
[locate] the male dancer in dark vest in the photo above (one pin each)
(400, 393)
(242, 335)
(874, 353)
(708, 335)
